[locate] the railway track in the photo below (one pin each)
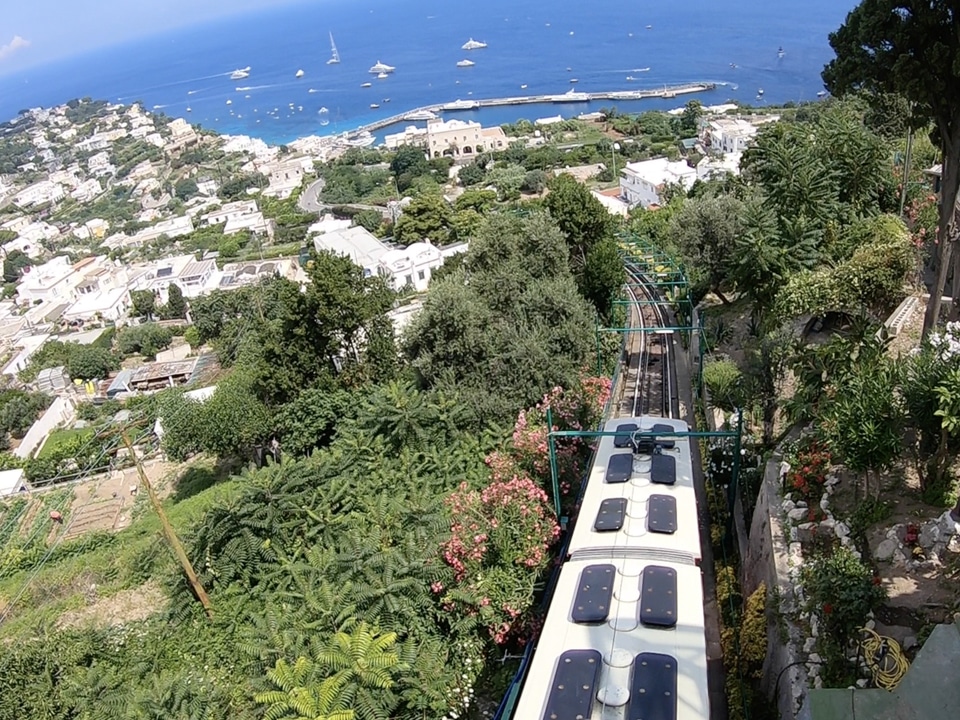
(647, 379)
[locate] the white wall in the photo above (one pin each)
(61, 411)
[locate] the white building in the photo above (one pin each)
(230, 211)
(328, 223)
(249, 273)
(729, 135)
(53, 281)
(641, 183)
(194, 277)
(172, 227)
(38, 194)
(411, 266)
(87, 191)
(109, 305)
(284, 178)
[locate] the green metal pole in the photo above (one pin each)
(735, 479)
(554, 472)
(596, 329)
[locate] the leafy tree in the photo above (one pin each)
(176, 305)
(480, 201)
(13, 264)
(144, 302)
(602, 277)
(515, 330)
(186, 188)
(146, 339)
(690, 119)
(309, 421)
(906, 48)
(534, 182)
(706, 231)
(580, 216)
(472, 174)
(19, 410)
(87, 362)
(425, 218)
(192, 336)
(234, 420)
(408, 161)
(369, 219)
(301, 695)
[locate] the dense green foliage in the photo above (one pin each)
(516, 328)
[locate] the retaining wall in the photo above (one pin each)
(61, 411)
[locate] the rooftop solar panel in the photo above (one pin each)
(592, 603)
(653, 692)
(624, 436)
(574, 682)
(662, 514)
(610, 516)
(619, 468)
(658, 596)
(663, 469)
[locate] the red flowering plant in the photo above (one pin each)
(808, 472)
(500, 536)
(579, 408)
(499, 543)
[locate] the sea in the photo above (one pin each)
(543, 46)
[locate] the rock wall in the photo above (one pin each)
(770, 560)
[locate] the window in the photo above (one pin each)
(421, 275)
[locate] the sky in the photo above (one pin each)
(34, 32)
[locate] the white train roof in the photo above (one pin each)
(639, 505)
(635, 650)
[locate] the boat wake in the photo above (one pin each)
(248, 88)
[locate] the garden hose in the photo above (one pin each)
(884, 658)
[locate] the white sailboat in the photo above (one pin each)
(335, 60)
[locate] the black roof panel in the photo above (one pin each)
(574, 685)
(662, 514)
(625, 439)
(663, 469)
(619, 468)
(653, 692)
(610, 515)
(592, 603)
(658, 596)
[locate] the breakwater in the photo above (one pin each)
(667, 91)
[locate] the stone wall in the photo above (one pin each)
(769, 560)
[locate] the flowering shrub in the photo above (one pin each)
(808, 472)
(840, 591)
(577, 409)
(499, 541)
(500, 535)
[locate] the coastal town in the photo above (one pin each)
(345, 427)
(108, 200)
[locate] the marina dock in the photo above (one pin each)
(667, 91)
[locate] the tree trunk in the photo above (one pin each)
(949, 185)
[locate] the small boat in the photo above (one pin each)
(189, 109)
(569, 69)
(822, 93)
(523, 87)
(646, 69)
(733, 65)
(324, 116)
(466, 63)
(760, 92)
(630, 77)
(366, 85)
(574, 80)
(780, 52)
(373, 106)
(571, 32)
(240, 73)
(382, 76)
(649, 27)
(335, 60)
(472, 44)
(381, 68)
(386, 100)
(299, 73)
(461, 105)
(229, 102)
(311, 91)
(420, 115)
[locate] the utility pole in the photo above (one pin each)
(906, 170)
(168, 529)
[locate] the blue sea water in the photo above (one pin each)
(529, 42)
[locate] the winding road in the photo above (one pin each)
(309, 201)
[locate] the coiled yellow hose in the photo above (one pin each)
(884, 659)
